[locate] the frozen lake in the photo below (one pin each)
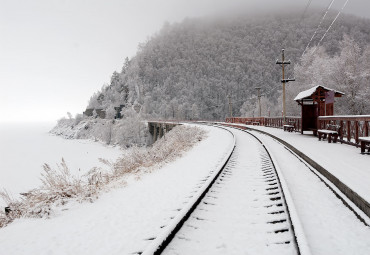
(25, 147)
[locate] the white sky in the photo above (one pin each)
(54, 54)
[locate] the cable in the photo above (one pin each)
(319, 26)
(330, 26)
(239, 101)
(306, 8)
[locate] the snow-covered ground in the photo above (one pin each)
(25, 147)
(121, 221)
(126, 219)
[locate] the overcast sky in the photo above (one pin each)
(54, 54)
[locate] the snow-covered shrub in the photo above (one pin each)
(126, 132)
(78, 118)
(59, 186)
(166, 149)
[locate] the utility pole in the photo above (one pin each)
(259, 100)
(230, 107)
(283, 63)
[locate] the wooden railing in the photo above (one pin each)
(260, 120)
(352, 127)
(276, 122)
(248, 121)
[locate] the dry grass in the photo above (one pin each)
(59, 186)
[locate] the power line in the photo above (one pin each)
(319, 26)
(336, 17)
(238, 101)
(306, 8)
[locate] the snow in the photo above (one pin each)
(309, 92)
(25, 148)
(121, 221)
(329, 226)
(343, 161)
(345, 116)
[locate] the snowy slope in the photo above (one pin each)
(119, 221)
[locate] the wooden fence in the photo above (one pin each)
(248, 121)
(352, 127)
(276, 122)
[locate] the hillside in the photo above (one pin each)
(187, 70)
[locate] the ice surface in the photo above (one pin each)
(24, 148)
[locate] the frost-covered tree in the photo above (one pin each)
(348, 71)
(202, 61)
(110, 112)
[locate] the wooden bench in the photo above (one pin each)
(331, 131)
(256, 123)
(289, 127)
(364, 141)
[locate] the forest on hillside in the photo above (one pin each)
(187, 70)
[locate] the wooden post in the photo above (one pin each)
(154, 132)
(348, 130)
(302, 116)
(230, 107)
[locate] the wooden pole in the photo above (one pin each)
(230, 107)
(283, 63)
(284, 109)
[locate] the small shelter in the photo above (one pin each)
(315, 102)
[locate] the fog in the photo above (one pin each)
(56, 53)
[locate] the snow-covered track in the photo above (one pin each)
(160, 242)
(354, 202)
(245, 196)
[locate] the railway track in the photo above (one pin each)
(246, 208)
(242, 209)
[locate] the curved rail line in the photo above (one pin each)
(278, 206)
(161, 242)
(345, 194)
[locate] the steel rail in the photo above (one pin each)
(300, 239)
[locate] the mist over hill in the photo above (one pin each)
(187, 70)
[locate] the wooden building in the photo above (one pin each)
(315, 102)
